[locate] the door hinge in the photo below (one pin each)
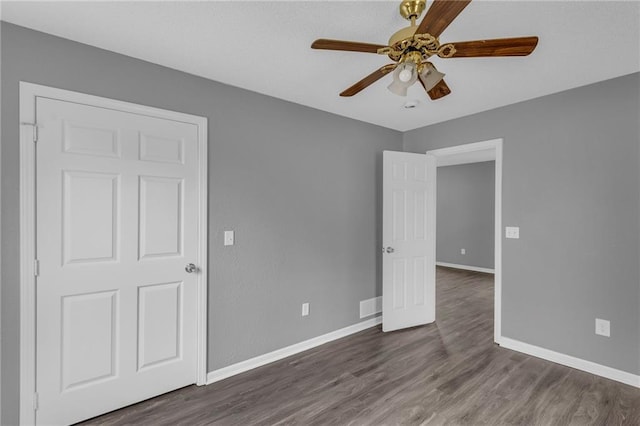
(35, 130)
(36, 267)
(35, 401)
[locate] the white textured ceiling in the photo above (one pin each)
(264, 46)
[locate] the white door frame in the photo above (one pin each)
(28, 134)
(473, 153)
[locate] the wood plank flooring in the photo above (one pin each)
(448, 373)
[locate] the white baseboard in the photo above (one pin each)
(573, 362)
(241, 367)
(370, 307)
(466, 267)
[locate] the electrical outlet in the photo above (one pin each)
(305, 309)
(512, 232)
(463, 251)
(603, 327)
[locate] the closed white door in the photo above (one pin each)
(117, 200)
(408, 235)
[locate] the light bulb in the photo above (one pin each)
(405, 75)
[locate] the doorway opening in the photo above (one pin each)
(453, 271)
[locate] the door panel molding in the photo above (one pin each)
(28, 269)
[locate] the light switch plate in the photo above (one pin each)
(512, 232)
(229, 238)
(305, 309)
(603, 327)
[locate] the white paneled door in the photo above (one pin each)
(408, 235)
(117, 217)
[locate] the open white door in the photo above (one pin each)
(408, 235)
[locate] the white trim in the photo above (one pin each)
(432, 176)
(497, 243)
(250, 364)
(466, 267)
(27, 276)
(466, 148)
(495, 144)
(370, 307)
(573, 362)
(202, 258)
(28, 94)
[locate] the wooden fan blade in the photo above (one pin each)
(351, 46)
(517, 46)
(368, 80)
(438, 91)
(440, 15)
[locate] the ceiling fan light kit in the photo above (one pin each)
(403, 77)
(411, 47)
(430, 76)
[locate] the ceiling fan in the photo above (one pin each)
(412, 46)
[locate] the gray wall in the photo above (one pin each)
(465, 214)
(571, 183)
(300, 187)
(293, 181)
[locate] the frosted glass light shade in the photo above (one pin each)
(403, 77)
(398, 88)
(430, 76)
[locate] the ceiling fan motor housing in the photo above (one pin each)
(403, 34)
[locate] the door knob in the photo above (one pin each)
(390, 250)
(190, 268)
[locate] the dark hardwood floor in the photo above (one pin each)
(444, 373)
